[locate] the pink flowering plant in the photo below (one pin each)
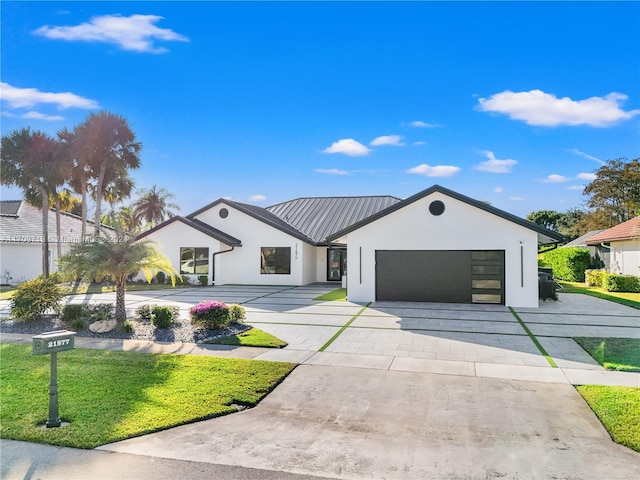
(212, 314)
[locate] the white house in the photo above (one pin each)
(436, 246)
(623, 242)
(21, 238)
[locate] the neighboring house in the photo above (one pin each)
(599, 253)
(436, 246)
(623, 240)
(21, 238)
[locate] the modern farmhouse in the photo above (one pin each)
(435, 246)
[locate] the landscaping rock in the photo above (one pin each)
(103, 326)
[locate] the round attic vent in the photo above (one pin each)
(224, 213)
(436, 208)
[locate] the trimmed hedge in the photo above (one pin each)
(595, 278)
(568, 264)
(621, 283)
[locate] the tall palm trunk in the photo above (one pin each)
(121, 312)
(45, 230)
(83, 193)
(99, 189)
(58, 240)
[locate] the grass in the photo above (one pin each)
(534, 339)
(338, 295)
(624, 298)
(621, 354)
(109, 396)
(251, 338)
(618, 408)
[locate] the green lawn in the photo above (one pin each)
(339, 294)
(109, 396)
(613, 353)
(618, 408)
(624, 298)
(251, 338)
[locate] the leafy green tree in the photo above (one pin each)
(115, 259)
(154, 206)
(105, 144)
(28, 162)
(569, 223)
(616, 190)
(545, 218)
(122, 219)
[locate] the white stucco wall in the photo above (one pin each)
(460, 227)
(23, 261)
(242, 266)
(625, 257)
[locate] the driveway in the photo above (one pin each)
(402, 390)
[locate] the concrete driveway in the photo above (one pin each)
(409, 390)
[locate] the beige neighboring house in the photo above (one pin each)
(21, 240)
(623, 241)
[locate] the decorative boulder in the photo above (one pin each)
(103, 326)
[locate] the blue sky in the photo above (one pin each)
(510, 102)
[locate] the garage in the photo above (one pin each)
(444, 276)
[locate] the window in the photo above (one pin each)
(276, 260)
(194, 261)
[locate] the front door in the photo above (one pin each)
(336, 264)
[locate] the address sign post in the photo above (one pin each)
(50, 343)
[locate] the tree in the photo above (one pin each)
(122, 219)
(27, 161)
(153, 205)
(115, 259)
(616, 190)
(80, 174)
(545, 218)
(107, 146)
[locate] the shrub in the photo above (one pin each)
(144, 311)
(33, 298)
(126, 327)
(203, 279)
(77, 324)
(595, 278)
(72, 312)
(162, 317)
(210, 314)
(237, 312)
(621, 283)
(100, 311)
(567, 263)
(160, 277)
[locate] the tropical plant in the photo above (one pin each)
(105, 147)
(154, 206)
(34, 297)
(115, 259)
(28, 162)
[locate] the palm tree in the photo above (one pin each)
(114, 259)
(107, 146)
(80, 174)
(122, 219)
(153, 205)
(28, 162)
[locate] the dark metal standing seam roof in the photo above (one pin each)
(319, 217)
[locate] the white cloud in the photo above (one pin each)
(348, 146)
(587, 176)
(419, 143)
(517, 199)
(536, 107)
(435, 171)
(575, 151)
(41, 116)
(575, 187)
(257, 198)
(555, 178)
(498, 190)
(421, 124)
(493, 165)
(136, 33)
(331, 171)
(30, 97)
(395, 140)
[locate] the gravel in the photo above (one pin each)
(181, 330)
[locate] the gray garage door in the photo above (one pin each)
(447, 276)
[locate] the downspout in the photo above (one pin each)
(213, 263)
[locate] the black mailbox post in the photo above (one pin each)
(50, 343)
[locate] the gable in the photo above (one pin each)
(545, 236)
